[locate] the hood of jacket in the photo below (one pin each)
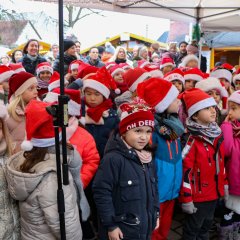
(21, 185)
(116, 144)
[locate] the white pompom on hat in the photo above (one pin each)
(188, 58)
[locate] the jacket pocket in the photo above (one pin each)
(130, 190)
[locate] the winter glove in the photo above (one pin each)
(189, 208)
(226, 193)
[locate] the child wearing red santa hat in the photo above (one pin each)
(204, 177)
(191, 77)
(230, 225)
(22, 89)
(166, 65)
(44, 71)
(176, 77)
(125, 186)
(236, 80)
(162, 96)
(32, 180)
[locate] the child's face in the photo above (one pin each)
(138, 137)
(192, 64)
(206, 116)
(237, 85)
(225, 82)
(189, 84)
(215, 94)
(167, 69)
(174, 106)
(30, 93)
(234, 111)
(74, 73)
(45, 76)
(118, 77)
(178, 84)
(93, 97)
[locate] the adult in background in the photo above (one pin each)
(193, 49)
(78, 50)
(120, 56)
(182, 52)
(31, 57)
(17, 55)
(93, 58)
(69, 56)
(52, 55)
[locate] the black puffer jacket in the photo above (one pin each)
(67, 60)
(30, 65)
(125, 192)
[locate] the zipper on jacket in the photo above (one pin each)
(209, 159)
(199, 180)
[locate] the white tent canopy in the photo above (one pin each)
(213, 15)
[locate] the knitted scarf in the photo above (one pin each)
(210, 131)
(168, 126)
(97, 112)
(42, 84)
(144, 156)
(236, 128)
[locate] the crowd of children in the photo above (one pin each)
(143, 137)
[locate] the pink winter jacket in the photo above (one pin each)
(232, 154)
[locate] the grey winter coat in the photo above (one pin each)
(9, 213)
(37, 195)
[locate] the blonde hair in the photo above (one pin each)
(7, 137)
(17, 102)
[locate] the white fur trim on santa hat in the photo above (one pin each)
(195, 77)
(6, 75)
(156, 73)
(187, 59)
(91, 83)
(143, 77)
(25, 86)
(117, 71)
(74, 66)
(18, 70)
(26, 145)
(207, 102)
(167, 64)
(175, 76)
(44, 68)
(51, 97)
(53, 85)
(145, 63)
(74, 108)
(222, 73)
(233, 203)
(167, 100)
(235, 97)
(235, 78)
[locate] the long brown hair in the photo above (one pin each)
(33, 157)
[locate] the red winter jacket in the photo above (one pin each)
(87, 149)
(202, 179)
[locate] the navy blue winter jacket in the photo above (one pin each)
(125, 192)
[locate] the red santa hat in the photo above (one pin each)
(116, 69)
(213, 84)
(74, 65)
(229, 67)
(125, 66)
(188, 58)
(166, 62)
(154, 71)
(5, 73)
(20, 82)
(135, 114)
(142, 63)
(102, 82)
(235, 97)
(196, 100)
(109, 65)
(39, 126)
(158, 93)
(17, 67)
(221, 72)
(193, 74)
(176, 74)
(54, 81)
(44, 66)
(134, 76)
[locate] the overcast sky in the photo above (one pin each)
(94, 28)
